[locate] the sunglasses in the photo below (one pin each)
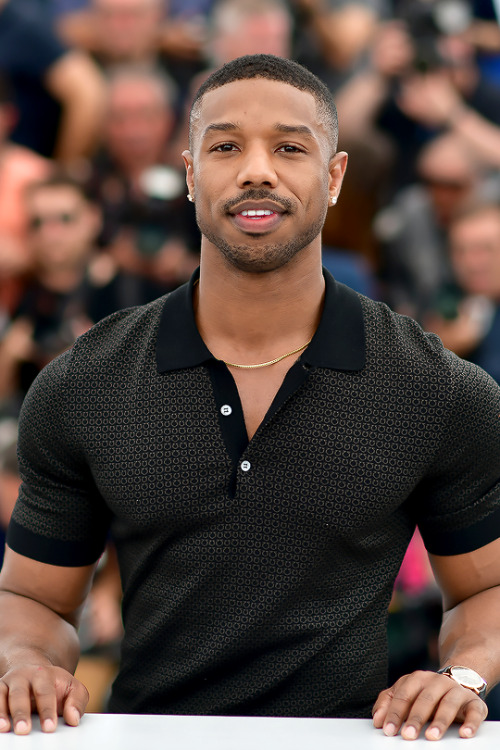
(36, 222)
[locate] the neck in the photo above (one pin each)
(61, 280)
(248, 318)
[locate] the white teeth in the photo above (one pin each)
(262, 212)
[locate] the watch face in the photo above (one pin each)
(467, 677)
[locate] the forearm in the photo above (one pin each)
(77, 84)
(482, 135)
(33, 634)
(470, 635)
(343, 33)
(359, 101)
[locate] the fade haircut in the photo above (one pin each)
(274, 69)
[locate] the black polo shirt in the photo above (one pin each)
(256, 575)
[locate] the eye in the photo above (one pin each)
(223, 148)
(290, 148)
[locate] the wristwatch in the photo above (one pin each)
(467, 678)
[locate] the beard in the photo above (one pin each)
(256, 257)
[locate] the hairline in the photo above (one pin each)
(325, 106)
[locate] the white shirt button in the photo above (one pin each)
(246, 465)
(226, 410)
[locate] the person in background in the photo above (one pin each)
(18, 168)
(138, 32)
(405, 96)
(412, 229)
(333, 36)
(148, 226)
(58, 91)
(72, 287)
(467, 311)
(241, 27)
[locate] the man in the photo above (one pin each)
(149, 227)
(70, 288)
(467, 311)
(412, 229)
(262, 441)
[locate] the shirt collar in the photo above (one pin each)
(339, 342)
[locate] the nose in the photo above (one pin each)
(257, 168)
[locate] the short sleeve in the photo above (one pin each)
(457, 505)
(60, 517)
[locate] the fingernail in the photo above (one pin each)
(4, 724)
(74, 715)
(467, 732)
(390, 730)
(410, 733)
(434, 733)
(48, 725)
(21, 727)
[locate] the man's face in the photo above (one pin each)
(475, 253)
(128, 29)
(268, 32)
(138, 123)
(63, 227)
(261, 173)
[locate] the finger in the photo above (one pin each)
(405, 692)
(380, 707)
(45, 700)
(19, 705)
(433, 702)
(75, 703)
(4, 713)
(476, 712)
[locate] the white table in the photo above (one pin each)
(133, 732)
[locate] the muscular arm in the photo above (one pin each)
(75, 81)
(470, 636)
(39, 649)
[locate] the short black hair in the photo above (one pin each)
(274, 69)
(61, 179)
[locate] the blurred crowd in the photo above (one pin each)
(94, 99)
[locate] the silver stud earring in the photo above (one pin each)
(333, 200)
(190, 198)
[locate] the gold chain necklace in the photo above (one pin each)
(271, 362)
(262, 364)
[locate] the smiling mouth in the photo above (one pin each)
(257, 221)
(257, 214)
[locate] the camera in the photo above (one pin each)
(429, 20)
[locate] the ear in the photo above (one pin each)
(337, 168)
(188, 161)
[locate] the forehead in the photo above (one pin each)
(54, 195)
(128, 93)
(479, 224)
(258, 105)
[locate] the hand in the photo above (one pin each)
(430, 99)
(420, 697)
(48, 691)
(392, 50)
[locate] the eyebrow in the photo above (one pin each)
(224, 127)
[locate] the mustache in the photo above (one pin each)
(258, 195)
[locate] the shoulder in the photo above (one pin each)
(388, 331)
(28, 40)
(112, 348)
(399, 346)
